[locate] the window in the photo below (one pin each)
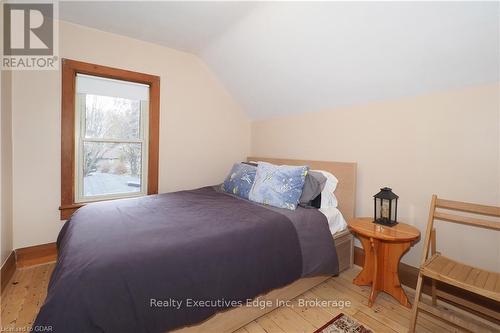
(111, 131)
(109, 134)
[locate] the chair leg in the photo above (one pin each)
(433, 292)
(433, 252)
(414, 311)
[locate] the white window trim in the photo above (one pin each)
(80, 140)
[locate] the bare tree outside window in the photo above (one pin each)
(111, 167)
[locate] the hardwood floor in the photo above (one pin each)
(27, 290)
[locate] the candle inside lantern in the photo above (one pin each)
(385, 209)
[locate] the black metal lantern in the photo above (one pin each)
(386, 207)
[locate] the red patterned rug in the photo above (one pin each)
(343, 324)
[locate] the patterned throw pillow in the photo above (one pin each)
(240, 180)
(278, 186)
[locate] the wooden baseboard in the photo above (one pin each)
(36, 255)
(25, 257)
(408, 276)
(7, 271)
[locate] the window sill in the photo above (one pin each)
(68, 210)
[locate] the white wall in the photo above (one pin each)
(202, 129)
(445, 143)
(6, 239)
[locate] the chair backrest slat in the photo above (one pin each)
(468, 207)
(467, 220)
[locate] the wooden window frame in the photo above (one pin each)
(70, 68)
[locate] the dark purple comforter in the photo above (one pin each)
(119, 259)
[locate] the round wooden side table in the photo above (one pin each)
(384, 246)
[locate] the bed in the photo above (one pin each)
(124, 264)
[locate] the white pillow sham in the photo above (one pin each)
(336, 222)
(328, 198)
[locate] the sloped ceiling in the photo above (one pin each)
(280, 58)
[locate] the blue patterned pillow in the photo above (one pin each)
(240, 179)
(278, 186)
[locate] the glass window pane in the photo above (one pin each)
(111, 168)
(112, 118)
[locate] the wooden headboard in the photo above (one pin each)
(345, 173)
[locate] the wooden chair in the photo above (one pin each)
(441, 268)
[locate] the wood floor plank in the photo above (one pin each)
(316, 315)
(290, 322)
(373, 324)
(18, 298)
(269, 325)
(323, 291)
(9, 290)
(30, 306)
(254, 327)
(241, 330)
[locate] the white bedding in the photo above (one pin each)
(336, 221)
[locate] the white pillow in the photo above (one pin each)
(336, 222)
(328, 198)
